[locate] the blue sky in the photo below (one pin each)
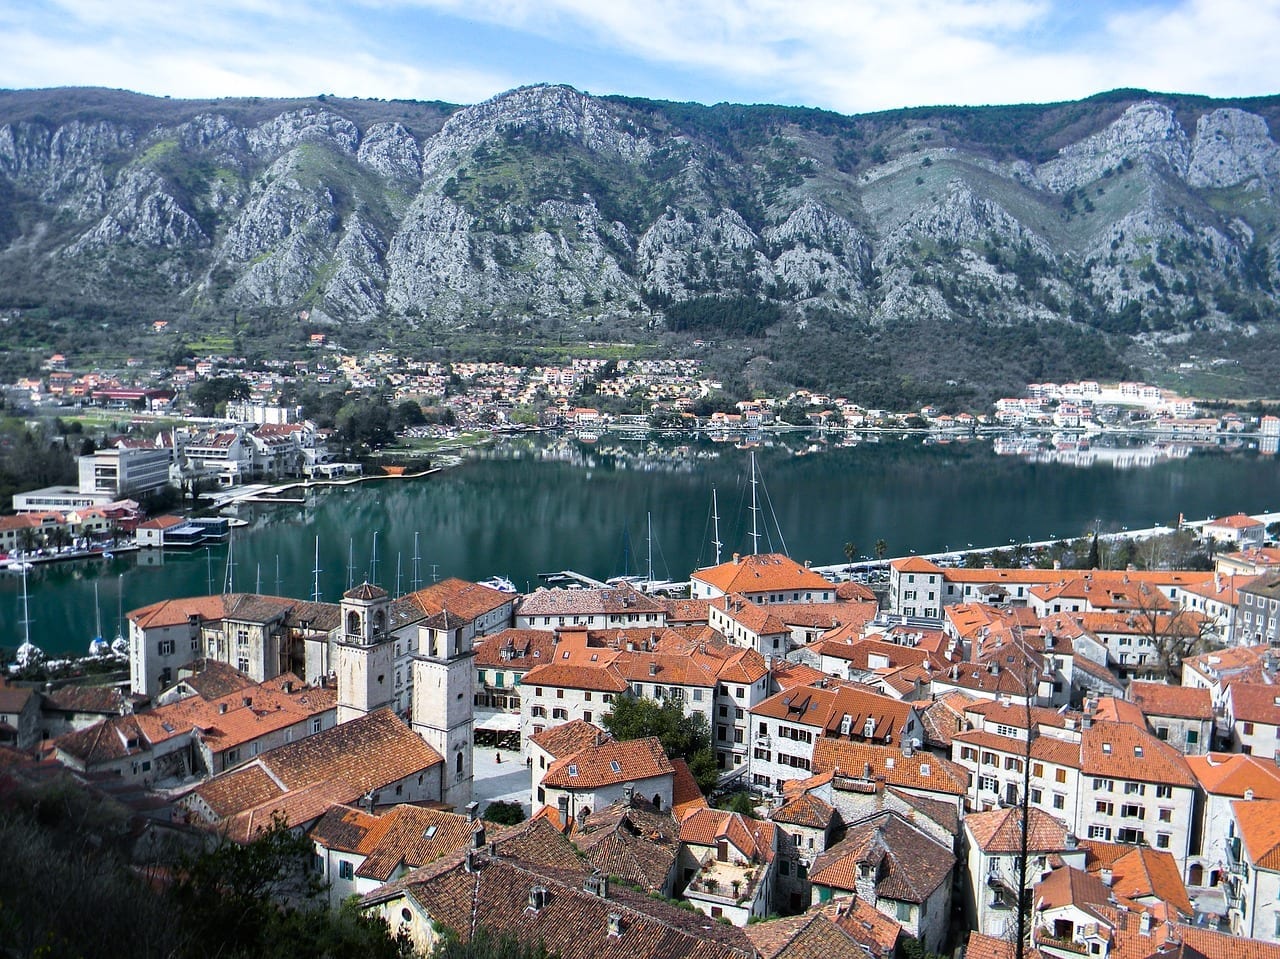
(851, 56)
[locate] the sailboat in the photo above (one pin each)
(28, 654)
(120, 645)
(97, 646)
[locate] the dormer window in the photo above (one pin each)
(573, 770)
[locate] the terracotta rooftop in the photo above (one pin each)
(1000, 831)
(1183, 702)
(610, 601)
(569, 922)
(827, 707)
(761, 573)
(919, 771)
(609, 763)
(1259, 821)
(1125, 752)
(1233, 774)
(805, 810)
(567, 738)
(909, 864)
(1141, 873)
(639, 845)
(1255, 703)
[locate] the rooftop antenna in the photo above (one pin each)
(373, 560)
(715, 516)
(755, 511)
(351, 562)
(315, 573)
(417, 560)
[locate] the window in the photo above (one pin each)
(1135, 789)
(1104, 808)
(904, 912)
(1059, 801)
(1100, 832)
(1059, 775)
(315, 724)
(559, 713)
(1037, 796)
(1164, 792)
(345, 869)
(1193, 737)
(166, 647)
(1166, 815)
(586, 717)
(1132, 811)
(1037, 770)
(697, 695)
(1162, 840)
(1130, 835)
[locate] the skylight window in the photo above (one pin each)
(431, 831)
(573, 769)
(1106, 748)
(613, 764)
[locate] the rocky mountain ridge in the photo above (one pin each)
(1126, 218)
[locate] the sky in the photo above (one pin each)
(853, 56)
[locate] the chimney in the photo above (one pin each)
(582, 816)
(597, 884)
(287, 685)
(1144, 924)
(470, 861)
(615, 924)
(737, 558)
(473, 811)
(222, 709)
(628, 793)
(1105, 875)
(562, 804)
(246, 702)
(477, 837)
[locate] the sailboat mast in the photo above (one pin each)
(351, 562)
(417, 560)
(26, 611)
(373, 561)
(650, 571)
(755, 511)
(315, 573)
(97, 614)
(257, 586)
(229, 581)
(399, 558)
(715, 516)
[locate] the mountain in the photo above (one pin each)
(942, 253)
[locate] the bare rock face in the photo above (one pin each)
(1233, 147)
(391, 151)
(547, 202)
(1146, 131)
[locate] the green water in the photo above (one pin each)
(533, 506)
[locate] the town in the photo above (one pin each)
(776, 763)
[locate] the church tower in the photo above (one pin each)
(364, 658)
(443, 711)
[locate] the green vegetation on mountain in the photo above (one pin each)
(941, 253)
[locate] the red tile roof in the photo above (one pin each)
(1183, 702)
(1259, 821)
(1000, 831)
(908, 864)
(609, 763)
(760, 573)
(1122, 751)
(919, 771)
(1233, 774)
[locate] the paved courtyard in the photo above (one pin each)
(495, 780)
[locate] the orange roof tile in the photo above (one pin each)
(1259, 821)
(608, 763)
(919, 771)
(1126, 752)
(764, 572)
(1233, 774)
(1183, 702)
(1000, 831)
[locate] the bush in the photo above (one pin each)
(504, 812)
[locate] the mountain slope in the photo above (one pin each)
(948, 251)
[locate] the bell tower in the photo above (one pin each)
(364, 658)
(443, 710)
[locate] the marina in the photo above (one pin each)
(530, 505)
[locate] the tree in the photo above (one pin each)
(683, 735)
(1175, 631)
(485, 944)
(504, 812)
(881, 548)
(850, 551)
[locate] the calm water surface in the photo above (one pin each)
(530, 506)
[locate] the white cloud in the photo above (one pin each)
(851, 56)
